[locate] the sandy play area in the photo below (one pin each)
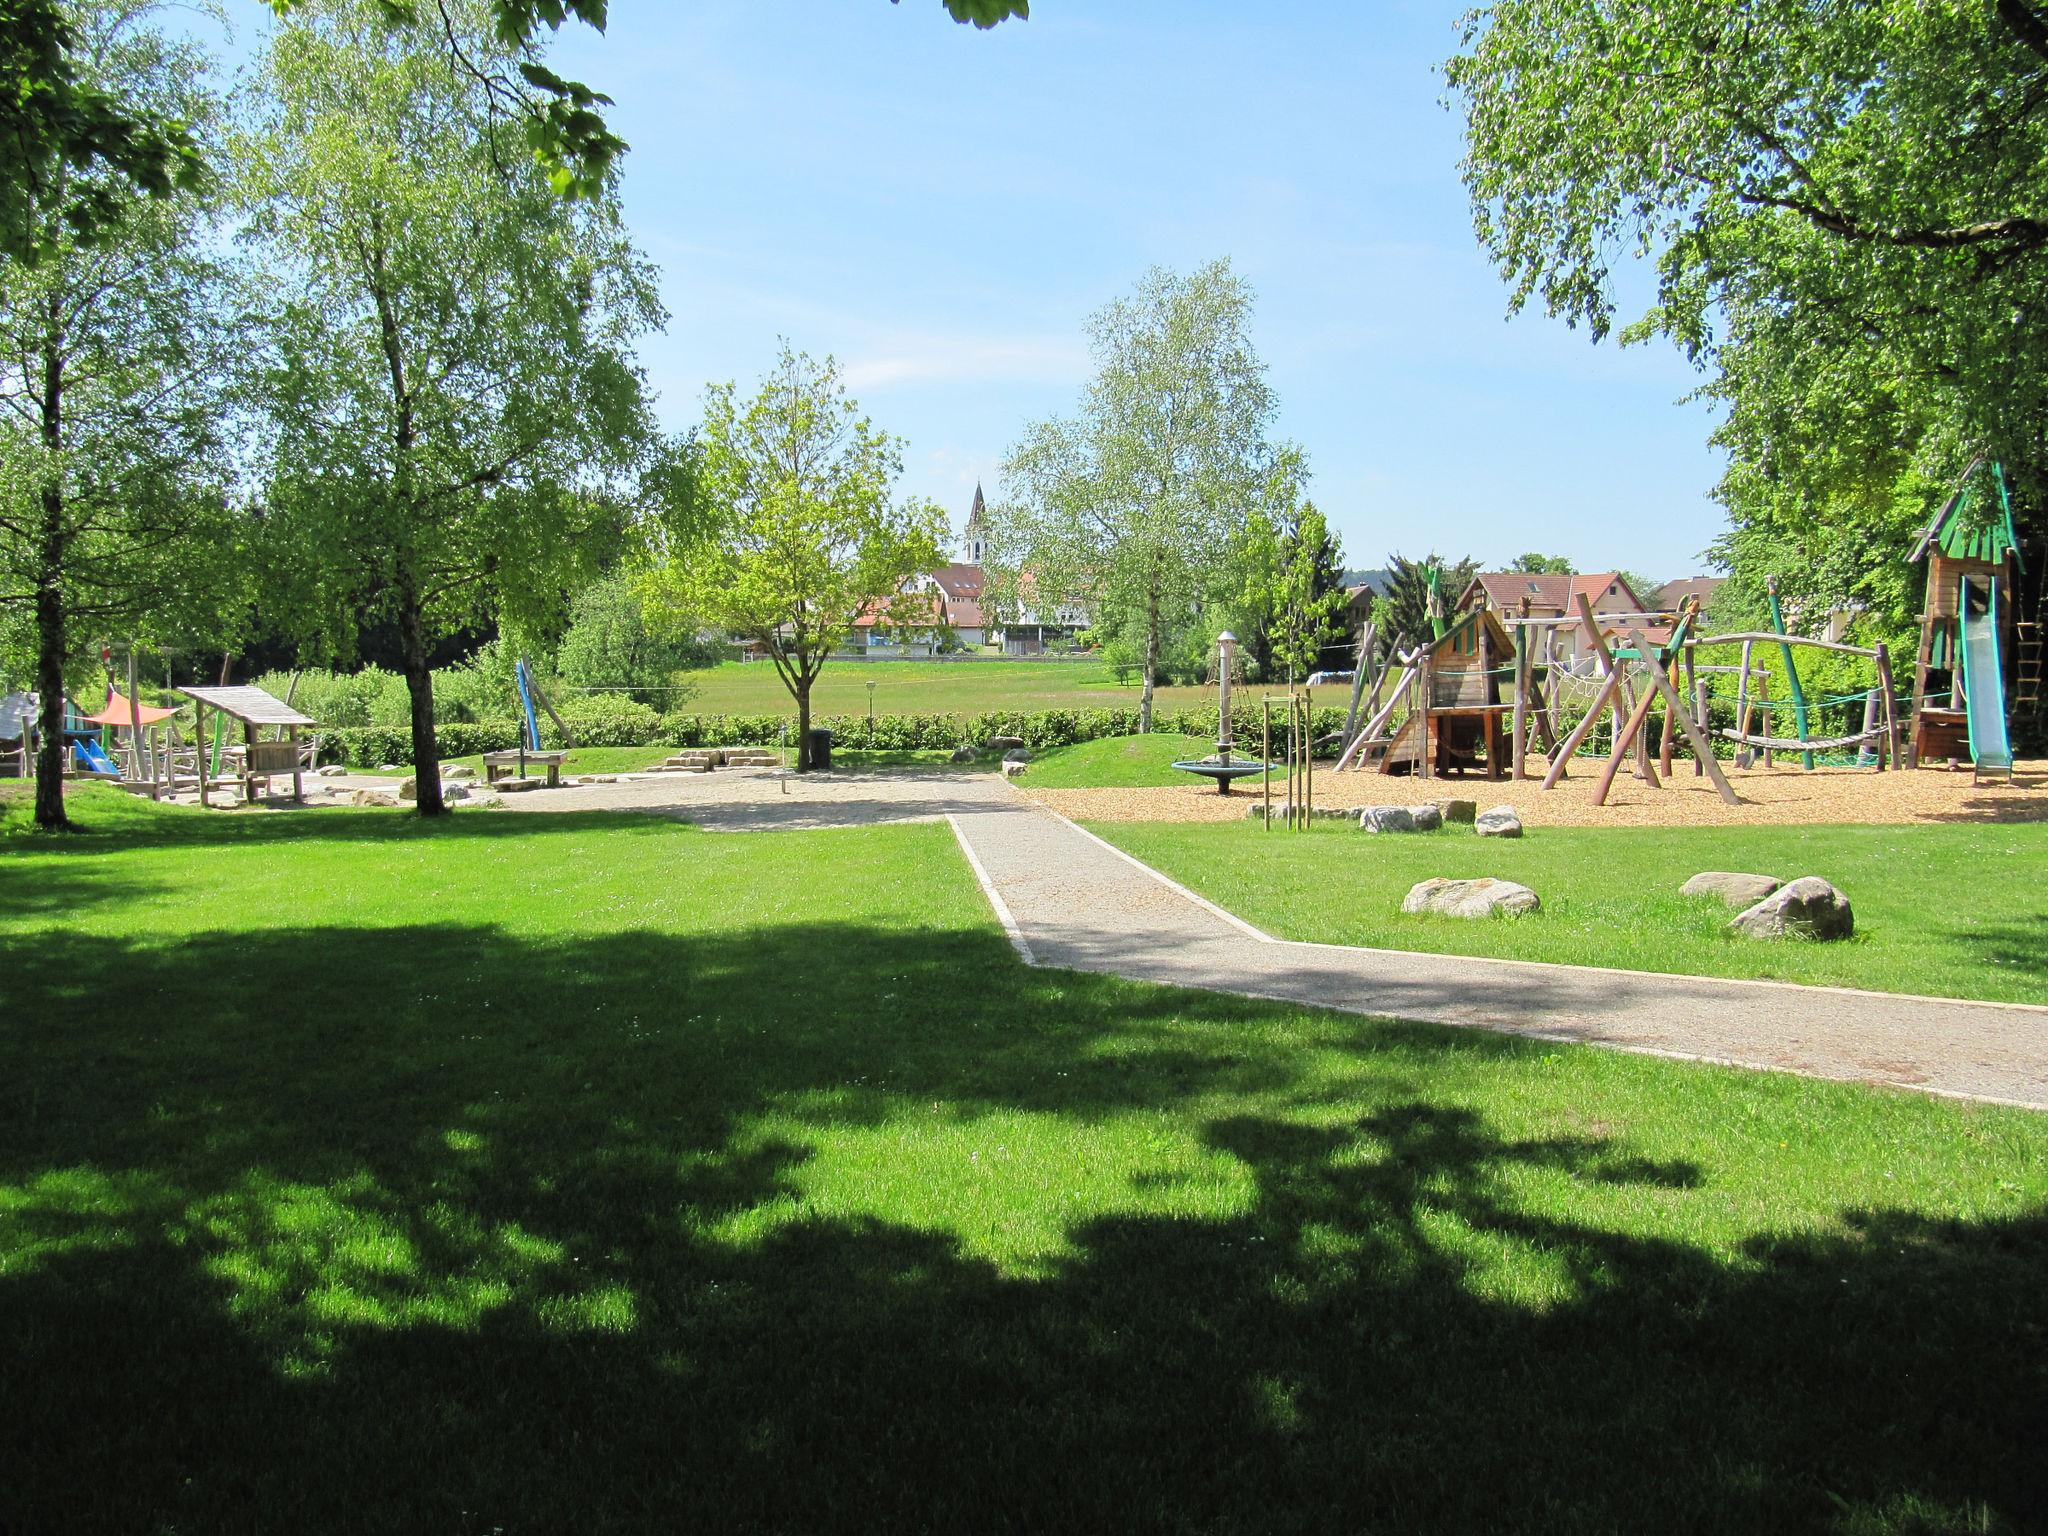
(1786, 795)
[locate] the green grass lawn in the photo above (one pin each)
(926, 688)
(1958, 911)
(585, 1172)
(1122, 762)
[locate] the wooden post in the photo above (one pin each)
(134, 723)
(1366, 636)
(1424, 700)
(248, 778)
(1700, 706)
(1587, 722)
(1699, 742)
(1308, 755)
(1742, 704)
(298, 774)
(199, 733)
(1638, 718)
(1518, 765)
(1266, 757)
(1891, 712)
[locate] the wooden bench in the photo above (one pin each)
(502, 765)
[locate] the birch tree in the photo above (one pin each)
(454, 407)
(116, 345)
(1129, 506)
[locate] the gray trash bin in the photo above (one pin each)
(821, 748)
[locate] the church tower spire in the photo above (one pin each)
(974, 545)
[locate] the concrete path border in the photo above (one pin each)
(1068, 899)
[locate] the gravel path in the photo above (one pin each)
(1071, 900)
(1068, 899)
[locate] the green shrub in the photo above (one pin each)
(613, 720)
(604, 720)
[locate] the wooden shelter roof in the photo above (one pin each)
(252, 706)
(1988, 539)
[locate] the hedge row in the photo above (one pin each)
(624, 723)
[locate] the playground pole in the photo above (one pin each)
(1791, 671)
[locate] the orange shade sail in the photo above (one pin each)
(117, 712)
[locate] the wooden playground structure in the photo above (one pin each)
(1969, 624)
(1486, 695)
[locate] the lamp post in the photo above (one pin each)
(871, 714)
(1226, 650)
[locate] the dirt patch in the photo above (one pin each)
(1779, 795)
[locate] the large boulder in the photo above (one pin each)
(965, 755)
(371, 797)
(1017, 755)
(1004, 743)
(1428, 818)
(1459, 812)
(458, 771)
(1386, 818)
(1011, 768)
(1501, 821)
(1729, 888)
(1808, 908)
(1471, 898)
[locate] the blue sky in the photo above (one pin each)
(940, 208)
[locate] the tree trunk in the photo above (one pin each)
(50, 685)
(803, 722)
(1151, 661)
(50, 636)
(419, 684)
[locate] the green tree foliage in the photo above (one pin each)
(1534, 564)
(68, 143)
(1847, 208)
(800, 535)
(1404, 611)
(115, 351)
(1288, 607)
(611, 645)
(1131, 506)
(454, 406)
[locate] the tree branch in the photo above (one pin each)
(2025, 23)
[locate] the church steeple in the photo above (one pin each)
(974, 544)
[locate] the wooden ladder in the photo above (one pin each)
(2026, 681)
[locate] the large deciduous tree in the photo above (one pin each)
(799, 532)
(1847, 204)
(1131, 505)
(116, 345)
(455, 406)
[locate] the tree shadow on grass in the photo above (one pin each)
(428, 1228)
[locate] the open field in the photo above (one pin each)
(1959, 911)
(926, 688)
(1781, 796)
(594, 1172)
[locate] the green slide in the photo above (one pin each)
(1984, 685)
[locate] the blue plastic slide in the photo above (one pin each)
(1984, 686)
(92, 757)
